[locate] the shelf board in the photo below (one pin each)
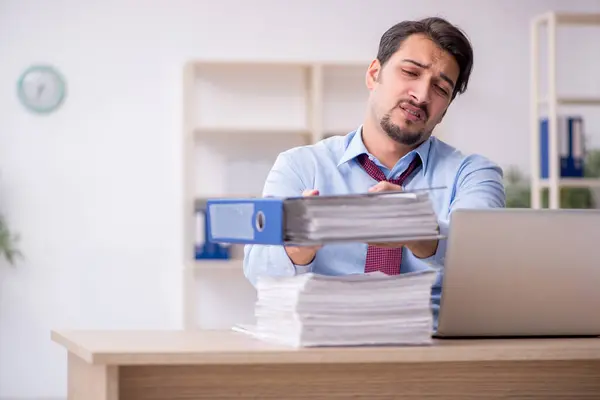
(236, 63)
(569, 18)
(280, 63)
(200, 201)
(222, 130)
(212, 265)
(578, 18)
(573, 182)
(574, 101)
(337, 132)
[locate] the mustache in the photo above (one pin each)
(421, 107)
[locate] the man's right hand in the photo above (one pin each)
(303, 255)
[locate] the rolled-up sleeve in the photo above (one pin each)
(284, 180)
(479, 185)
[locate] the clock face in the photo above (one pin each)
(41, 89)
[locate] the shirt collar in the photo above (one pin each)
(355, 147)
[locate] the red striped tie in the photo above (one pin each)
(386, 260)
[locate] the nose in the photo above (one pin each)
(420, 91)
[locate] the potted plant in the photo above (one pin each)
(518, 190)
(8, 249)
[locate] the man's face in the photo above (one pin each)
(410, 94)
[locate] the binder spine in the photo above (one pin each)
(571, 147)
(256, 221)
(577, 145)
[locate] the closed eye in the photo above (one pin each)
(443, 90)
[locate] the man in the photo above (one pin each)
(420, 68)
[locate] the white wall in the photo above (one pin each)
(95, 189)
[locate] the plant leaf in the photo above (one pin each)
(7, 243)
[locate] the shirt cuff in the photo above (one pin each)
(270, 260)
(439, 257)
(304, 269)
(301, 269)
(279, 257)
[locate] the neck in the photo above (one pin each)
(380, 145)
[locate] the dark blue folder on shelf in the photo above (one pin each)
(571, 147)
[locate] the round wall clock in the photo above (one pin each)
(41, 89)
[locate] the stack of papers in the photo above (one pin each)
(352, 310)
(377, 217)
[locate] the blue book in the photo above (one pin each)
(369, 217)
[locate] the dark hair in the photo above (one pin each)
(443, 33)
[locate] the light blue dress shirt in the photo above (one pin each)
(330, 166)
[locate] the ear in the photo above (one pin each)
(373, 73)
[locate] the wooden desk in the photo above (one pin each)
(228, 365)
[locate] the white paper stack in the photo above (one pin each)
(373, 217)
(353, 310)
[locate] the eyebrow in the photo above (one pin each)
(442, 75)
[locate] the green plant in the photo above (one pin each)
(592, 164)
(8, 241)
(518, 190)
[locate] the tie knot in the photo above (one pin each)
(376, 173)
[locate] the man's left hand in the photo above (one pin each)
(420, 248)
(385, 186)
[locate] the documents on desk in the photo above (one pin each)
(368, 309)
(368, 217)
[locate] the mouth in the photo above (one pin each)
(413, 114)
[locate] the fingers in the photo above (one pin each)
(310, 192)
(387, 245)
(384, 186)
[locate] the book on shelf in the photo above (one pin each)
(366, 217)
(311, 310)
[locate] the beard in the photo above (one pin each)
(400, 135)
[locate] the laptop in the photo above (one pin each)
(521, 272)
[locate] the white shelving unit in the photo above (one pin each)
(238, 116)
(551, 21)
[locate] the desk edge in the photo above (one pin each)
(453, 353)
